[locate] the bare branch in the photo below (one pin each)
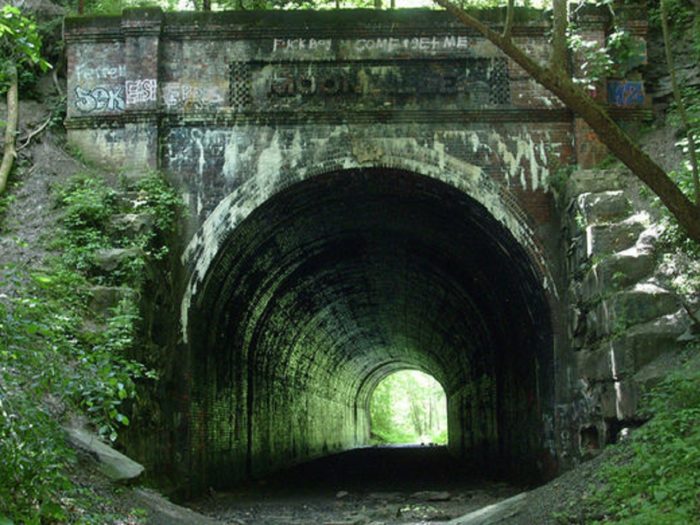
(33, 134)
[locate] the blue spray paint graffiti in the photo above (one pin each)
(626, 92)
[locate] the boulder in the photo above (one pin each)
(604, 207)
(109, 259)
(113, 464)
(637, 305)
(104, 298)
(493, 514)
(131, 225)
(602, 239)
(618, 271)
(595, 181)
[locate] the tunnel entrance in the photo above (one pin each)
(336, 282)
(408, 407)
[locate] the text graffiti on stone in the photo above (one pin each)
(435, 43)
(99, 99)
(177, 95)
(87, 73)
(140, 91)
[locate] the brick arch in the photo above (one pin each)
(499, 201)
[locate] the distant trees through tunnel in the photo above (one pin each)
(408, 406)
(335, 283)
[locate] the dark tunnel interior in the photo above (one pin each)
(337, 281)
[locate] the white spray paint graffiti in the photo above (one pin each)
(140, 91)
(85, 73)
(185, 95)
(99, 99)
(418, 43)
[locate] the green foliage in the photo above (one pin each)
(54, 348)
(656, 478)
(33, 460)
(409, 407)
(89, 205)
(674, 236)
(20, 44)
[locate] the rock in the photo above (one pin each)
(113, 464)
(603, 207)
(493, 514)
(131, 225)
(105, 298)
(429, 495)
(603, 239)
(616, 272)
(109, 259)
(657, 370)
(620, 400)
(386, 496)
(638, 305)
(350, 521)
(622, 357)
(594, 181)
(163, 512)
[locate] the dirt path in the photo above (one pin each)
(379, 486)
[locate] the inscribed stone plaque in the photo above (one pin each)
(369, 85)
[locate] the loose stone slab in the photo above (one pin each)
(113, 464)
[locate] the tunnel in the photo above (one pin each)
(339, 280)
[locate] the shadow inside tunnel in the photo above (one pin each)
(395, 468)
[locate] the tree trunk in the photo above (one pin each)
(679, 102)
(560, 19)
(206, 5)
(508, 24)
(617, 141)
(9, 152)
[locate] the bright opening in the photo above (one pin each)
(408, 407)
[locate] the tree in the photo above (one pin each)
(555, 78)
(20, 46)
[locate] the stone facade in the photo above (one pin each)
(624, 322)
(318, 117)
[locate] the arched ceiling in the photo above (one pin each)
(339, 280)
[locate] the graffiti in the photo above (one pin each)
(626, 92)
(368, 44)
(140, 91)
(99, 99)
(86, 73)
(188, 96)
(293, 44)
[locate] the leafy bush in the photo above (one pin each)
(52, 350)
(33, 462)
(656, 477)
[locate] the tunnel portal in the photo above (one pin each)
(340, 280)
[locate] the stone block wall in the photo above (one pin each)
(623, 320)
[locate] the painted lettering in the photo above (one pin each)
(85, 73)
(140, 91)
(388, 44)
(183, 95)
(99, 99)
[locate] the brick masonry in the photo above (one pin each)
(241, 110)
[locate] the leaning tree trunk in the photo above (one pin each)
(9, 152)
(616, 140)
